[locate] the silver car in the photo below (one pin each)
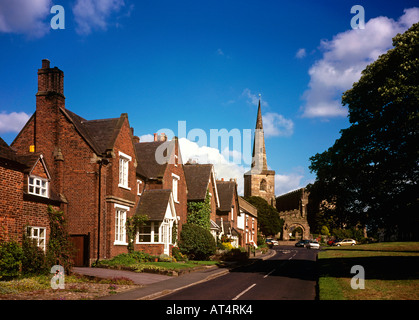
(345, 242)
(312, 244)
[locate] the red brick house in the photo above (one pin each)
(163, 193)
(94, 169)
(248, 223)
(25, 193)
(200, 180)
(228, 212)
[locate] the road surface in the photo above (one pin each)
(290, 274)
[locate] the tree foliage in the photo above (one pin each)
(196, 242)
(199, 212)
(370, 175)
(269, 222)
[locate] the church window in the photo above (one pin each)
(263, 185)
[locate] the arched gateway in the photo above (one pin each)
(292, 208)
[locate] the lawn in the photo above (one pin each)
(391, 271)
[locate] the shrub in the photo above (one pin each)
(11, 255)
(196, 242)
(178, 255)
(33, 259)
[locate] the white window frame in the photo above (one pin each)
(120, 228)
(124, 161)
(41, 184)
(175, 187)
(39, 234)
(139, 183)
(152, 233)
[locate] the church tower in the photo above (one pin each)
(260, 181)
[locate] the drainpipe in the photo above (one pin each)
(101, 162)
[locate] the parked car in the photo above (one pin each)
(272, 242)
(312, 244)
(331, 242)
(345, 242)
(301, 243)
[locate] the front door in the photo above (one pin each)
(166, 237)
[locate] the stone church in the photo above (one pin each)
(260, 181)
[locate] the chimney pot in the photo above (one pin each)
(136, 139)
(155, 137)
(45, 64)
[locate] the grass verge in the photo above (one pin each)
(391, 271)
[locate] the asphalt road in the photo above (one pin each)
(290, 274)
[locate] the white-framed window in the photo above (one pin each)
(149, 233)
(120, 220)
(124, 160)
(175, 189)
(38, 186)
(39, 235)
(139, 184)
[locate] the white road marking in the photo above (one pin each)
(269, 273)
(243, 292)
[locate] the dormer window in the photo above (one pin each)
(38, 186)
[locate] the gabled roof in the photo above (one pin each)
(226, 190)
(153, 203)
(197, 179)
(153, 158)
(99, 134)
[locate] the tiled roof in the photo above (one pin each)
(99, 134)
(148, 156)
(153, 203)
(246, 206)
(226, 191)
(197, 179)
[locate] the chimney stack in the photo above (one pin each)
(50, 80)
(136, 139)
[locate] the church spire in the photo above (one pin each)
(259, 162)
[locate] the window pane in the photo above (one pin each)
(144, 238)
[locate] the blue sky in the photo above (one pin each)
(203, 62)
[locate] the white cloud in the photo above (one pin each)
(287, 182)
(12, 122)
(275, 124)
(344, 57)
(220, 52)
(93, 15)
(147, 138)
(252, 98)
(301, 53)
(223, 168)
(25, 17)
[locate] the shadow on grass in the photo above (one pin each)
(379, 267)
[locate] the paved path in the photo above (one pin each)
(136, 277)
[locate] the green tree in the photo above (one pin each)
(370, 175)
(269, 222)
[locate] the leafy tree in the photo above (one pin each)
(60, 250)
(199, 212)
(269, 222)
(370, 175)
